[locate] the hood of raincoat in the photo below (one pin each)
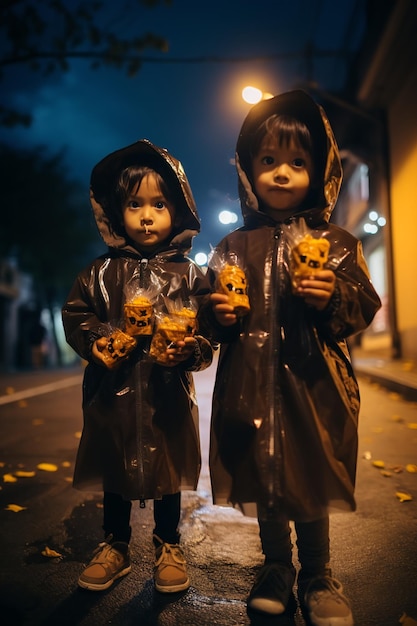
(104, 203)
(328, 169)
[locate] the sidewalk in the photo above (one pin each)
(399, 375)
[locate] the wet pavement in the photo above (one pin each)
(374, 550)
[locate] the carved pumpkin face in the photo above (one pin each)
(139, 317)
(119, 345)
(309, 257)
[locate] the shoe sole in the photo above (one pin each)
(337, 621)
(172, 588)
(266, 606)
(102, 586)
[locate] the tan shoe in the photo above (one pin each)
(109, 562)
(170, 572)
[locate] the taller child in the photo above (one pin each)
(286, 401)
(140, 438)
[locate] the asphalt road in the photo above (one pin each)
(374, 550)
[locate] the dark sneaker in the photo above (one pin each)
(272, 589)
(324, 603)
(109, 562)
(170, 574)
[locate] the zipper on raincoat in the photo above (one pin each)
(272, 439)
(138, 395)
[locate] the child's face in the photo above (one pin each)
(148, 217)
(281, 176)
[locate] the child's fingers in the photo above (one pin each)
(219, 298)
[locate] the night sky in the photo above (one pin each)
(194, 109)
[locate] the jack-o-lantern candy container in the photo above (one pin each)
(138, 316)
(309, 256)
(231, 280)
(119, 345)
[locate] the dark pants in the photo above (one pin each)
(116, 517)
(312, 543)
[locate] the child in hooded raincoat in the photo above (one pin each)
(140, 437)
(286, 401)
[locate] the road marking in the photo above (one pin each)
(37, 391)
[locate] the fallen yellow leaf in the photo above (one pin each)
(386, 474)
(66, 464)
(47, 467)
(16, 508)
(403, 497)
(23, 474)
(410, 467)
(412, 425)
(50, 553)
(379, 464)
(9, 478)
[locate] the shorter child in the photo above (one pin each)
(286, 400)
(140, 438)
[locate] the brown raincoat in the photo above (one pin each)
(286, 401)
(140, 437)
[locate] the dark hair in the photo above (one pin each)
(283, 129)
(131, 178)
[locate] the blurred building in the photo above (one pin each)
(375, 122)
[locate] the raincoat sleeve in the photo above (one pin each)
(354, 302)
(81, 316)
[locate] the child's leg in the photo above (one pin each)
(276, 543)
(167, 512)
(116, 517)
(313, 547)
(170, 573)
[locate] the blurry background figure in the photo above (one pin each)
(38, 344)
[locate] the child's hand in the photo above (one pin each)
(317, 291)
(222, 309)
(97, 351)
(181, 351)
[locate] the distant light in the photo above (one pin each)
(201, 258)
(381, 221)
(373, 215)
(251, 95)
(228, 217)
(371, 229)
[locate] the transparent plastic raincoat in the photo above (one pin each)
(140, 436)
(286, 401)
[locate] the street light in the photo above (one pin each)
(201, 258)
(253, 95)
(228, 217)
